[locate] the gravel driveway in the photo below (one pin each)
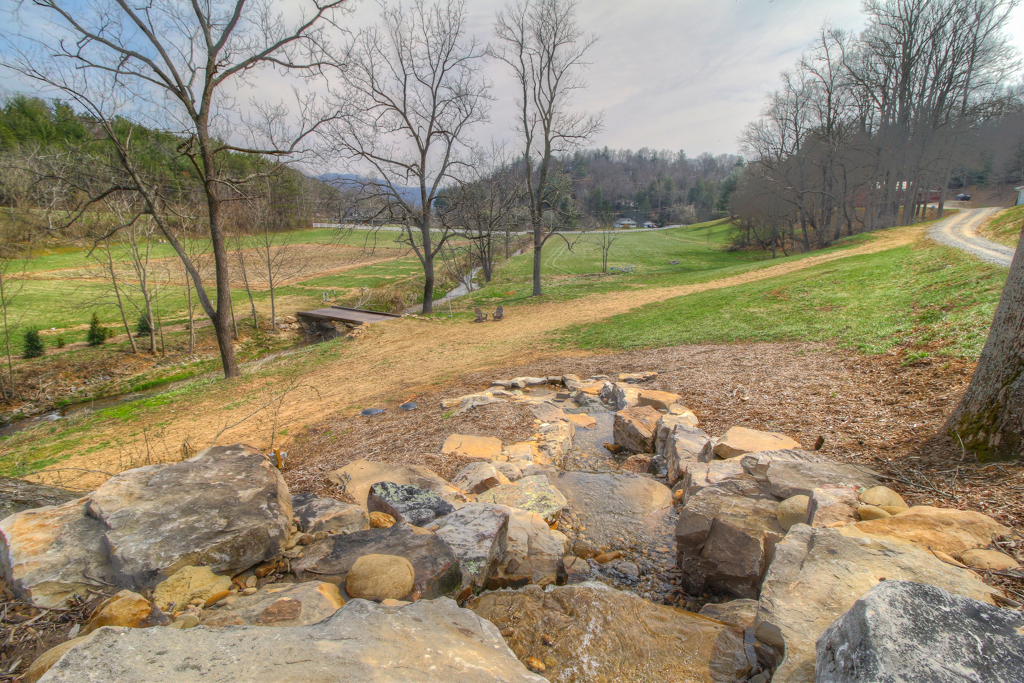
(961, 232)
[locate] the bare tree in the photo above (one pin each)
(546, 51)
(277, 256)
(182, 66)
(413, 90)
(605, 239)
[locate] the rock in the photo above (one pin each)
(600, 635)
(582, 421)
(407, 503)
(478, 535)
(576, 568)
(941, 529)
(795, 478)
(663, 430)
(818, 573)
(316, 514)
(18, 495)
(279, 605)
(758, 463)
(425, 641)
(725, 541)
(882, 496)
(473, 447)
(634, 428)
(45, 661)
(510, 470)
(358, 476)
(685, 445)
(477, 477)
(380, 577)
(685, 413)
(740, 441)
(636, 377)
(832, 505)
(53, 553)
(658, 466)
(637, 464)
(435, 565)
(727, 476)
(533, 554)
(546, 411)
(742, 612)
(381, 520)
(913, 632)
(524, 450)
(622, 395)
(615, 506)
(125, 608)
(554, 442)
(894, 510)
(464, 403)
(869, 512)
(659, 400)
(529, 493)
(792, 511)
(227, 508)
(988, 560)
(605, 558)
(188, 584)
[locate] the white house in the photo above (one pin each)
(625, 223)
(1020, 195)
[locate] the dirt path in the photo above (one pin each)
(405, 357)
(961, 232)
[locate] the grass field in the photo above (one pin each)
(1006, 227)
(924, 297)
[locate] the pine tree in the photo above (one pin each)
(97, 333)
(33, 345)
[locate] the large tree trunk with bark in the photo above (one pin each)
(990, 417)
(538, 246)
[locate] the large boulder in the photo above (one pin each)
(916, 633)
(407, 503)
(613, 506)
(435, 565)
(634, 428)
(316, 514)
(278, 605)
(478, 535)
(534, 552)
(726, 541)
(941, 529)
(796, 478)
(818, 573)
(681, 444)
(17, 495)
(426, 641)
(358, 476)
(532, 493)
(594, 634)
(227, 508)
(741, 440)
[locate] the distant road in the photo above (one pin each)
(961, 232)
(395, 228)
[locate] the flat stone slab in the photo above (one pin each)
(916, 633)
(317, 514)
(436, 566)
(591, 633)
(819, 573)
(474, 447)
(941, 529)
(358, 476)
(741, 440)
(728, 476)
(278, 605)
(227, 508)
(425, 642)
(794, 478)
(533, 493)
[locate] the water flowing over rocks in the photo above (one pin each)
(913, 632)
(595, 634)
(426, 641)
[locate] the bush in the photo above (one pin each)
(143, 328)
(33, 345)
(97, 333)
(61, 341)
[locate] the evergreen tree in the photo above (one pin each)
(97, 333)
(33, 345)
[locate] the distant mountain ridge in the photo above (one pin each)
(353, 180)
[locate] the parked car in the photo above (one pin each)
(963, 197)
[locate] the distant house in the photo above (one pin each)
(1020, 195)
(625, 223)
(649, 224)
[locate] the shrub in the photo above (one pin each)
(33, 345)
(143, 328)
(61, 342)
(97, 333)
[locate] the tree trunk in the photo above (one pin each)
(428, 270)
(990, 418)
(538, 245)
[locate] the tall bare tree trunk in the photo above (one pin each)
(117, 293)
(990, 418)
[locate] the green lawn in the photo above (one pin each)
(925, 297)
(1005, 228)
